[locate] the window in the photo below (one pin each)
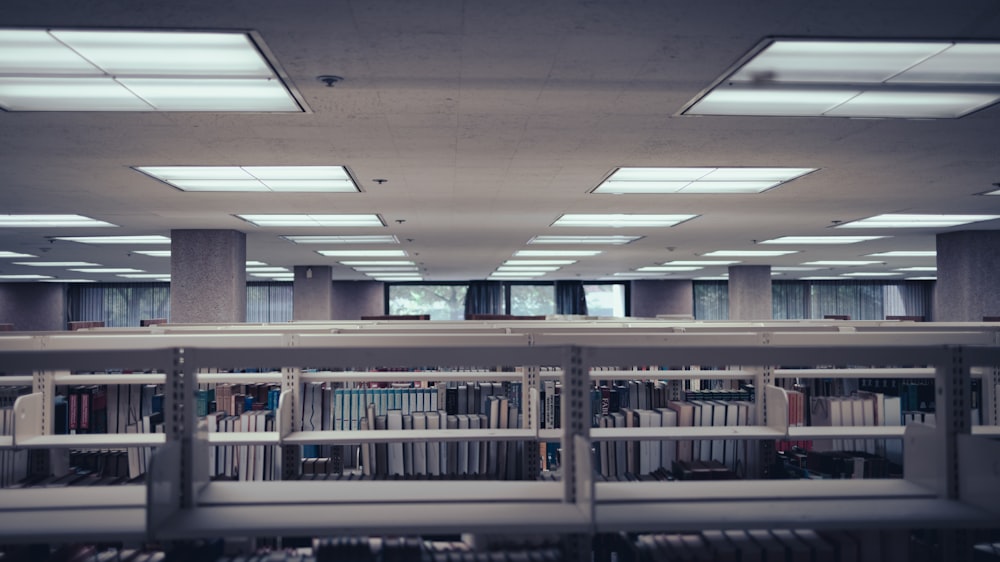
(606, 299)
(269, 302)
(532, 300)
(441, 302)
(118, 305)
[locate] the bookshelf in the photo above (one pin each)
(949, 481)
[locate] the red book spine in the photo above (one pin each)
(73, 415)
(85, 411)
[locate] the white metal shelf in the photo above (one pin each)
(673, 433)
(405, 435)
(93, 441)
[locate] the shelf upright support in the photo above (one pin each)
(529, 407)
(577, 472)
(181, 419)
(57, 460)
(291, 455)
(764, 377)
(952, 415)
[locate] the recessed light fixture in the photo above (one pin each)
(115, 239)
(360, 220)
(905, 254)
(254, 263)
(820, 239)
(539, 262)
(858, 78)
(517, 274)
(834, 263)
(108, 270)
(56, 263)
(916, 221)
(153, 253)
(921, 279)
(266, 269)
(126, 70)
(275, 275)
(638, 274)
(363, 253)
(371, 269)
(616, 240)
(917, 268)
(668, 268)
(391, 274)
(621, 220)
(555, 253)
(821, 278)
(750, 253)
(794, 268)
(352, 263)
(869, 274)
(25, 276)
(706, 263)
(349, 239)
(712, 278)
(67, 280)
(697, 180)
(6, 254)
(52, 221)
(284, 179)
(528, 268)
(160, 276)
(397, 279)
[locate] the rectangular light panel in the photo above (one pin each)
(869, 274)
(517, 274)
(363, 253)
(905, 254)
(555, 253)
(361, 220)
(616, 240)
(697, 180)
(347, 239)
(917, 268)
(25, 276)
(621, 220)
(750, 253)
(662, 268)
(351, 263)
(53, 221)
(701, 262)
(120, 70)
(67, 280)
(916, 221)
(57, 263)
(286, 179)
(820, 239)
(528, 268)
(834, 263)
(6, 254)
(164, 276)
(153, 253)
(108, 270)
(375, 269)
(116, 239)
(539, 262)
(266, 269)
(858, 78)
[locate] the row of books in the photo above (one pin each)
(13, 462)
(243, 462)
(798, 463)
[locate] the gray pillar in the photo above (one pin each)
(668, 297)
(968, 276)
(354, 299)
(750, 292)
(208, 279)
(312, 293)
(33, 306)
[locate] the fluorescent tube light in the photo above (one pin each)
(57, 263)
(555, 253)
(621, 220)
(668, 268)
(921, 279)
(352, 263)
(859, 78)
(6, 254)
(835, 263)
(917, 268)
(24, 276)
(794, 268)
(254, 263)
(144, 276)
(360, 220)
(821, 278)
(905, 254)
(616, 240)
(750, 253)
(701, 262)
(108, 270)
(153, 253)
(363, 253)
(397, 279)
(54, 221)
(711, 278)
(517, 274)
(391, 274)
(116, 239)
(348, 239)
(121, 70)
(638, 274)
(67, 280)
(697, 180)
(869, 274)
(820, 239)
(266, 269)
(328, 179)
(371, 269)
(539, 262)
(916, 221)
(528, 268)
(275, 275)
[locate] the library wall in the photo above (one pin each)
(354, 299)
(655, 297)
(33, 306)
(968, 267)
(313, 293)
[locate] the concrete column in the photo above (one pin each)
(312, 293)
(33, 306)
(968, 276)
(208, 280)
(667, 297)
(354, 299)
(750, 292)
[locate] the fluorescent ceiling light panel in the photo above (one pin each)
(153, 253)
(56, 263)
(921, 278)
(390, 273)
(325, 179)
(119, 70)
(711, 278)
(517, 274)
(697, 180)
(144, 275)
(750, 253)
(621, 220)
(637, 274)
(555, 253)
(858, 78)
(701, 262)
(67, 280)
(352, 263)
(794, 268)
(363, 253)
(917, 268)
(905, 254)
(869, 274)
(539, 262)
(364, 220)
(25, 276)
(266, 269)
(820, 239)
(668, 268)
(54, 221)
(6, 254)
(616, 240)
(108, 270)
(274, 275)
(348, 239)
(528, 268)
(835, 263)
(116, 239)
(821, 278)
(397, 279)
(364, 269)
(916, 221)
